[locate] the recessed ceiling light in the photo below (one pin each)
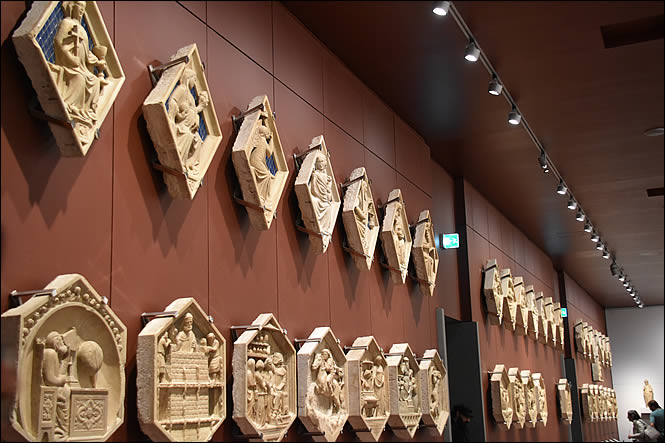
(654, 132)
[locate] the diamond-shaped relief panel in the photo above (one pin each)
(509, 301)
(518, 396)
(424, 254)
(70, 59)
(541, 397)
(493, 291)
(396, 237)
(361, 222)
(70, 353)
(521, 313)
(405, 391)
(435, 403)
(530, 397)
(181, 375)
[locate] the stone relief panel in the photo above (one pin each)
(323, 401)
(181, 375)
(405, 391)
(493, 292)
(369, 394)
(585, 396)
(502, 400)
(521, 312)
(543, 322)
(69, 349)
(518, 396)
(597, 372)
(532, 313)
(259, 162)
(361, 221)
(531, 398)
(264, 380)
(182, 123)
(509, 300)
(558, 326)
(581, 338)
(72, 64)
(318, 197)
(434, 400)
(541, 397)
(548, 308)
(396, 237)
(565, 400)
(425, 256)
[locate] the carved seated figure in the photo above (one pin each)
(328, 378)
(56, 371)
(186, 340)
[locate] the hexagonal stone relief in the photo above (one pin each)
(70, 351)
(181, 375)
(322, 385)
(264, 380)
(502, 401)
(521, 312)
(259, 162)
(434, 400)
(531, 398)
(493, 291)
(541, 397)
(518, 396)
(424, 254)
(548, 309)
(182, 123)
(405, 392)
(532, 313)
(543, 322)
(369, 394)
(361, 221)
(565, 400)
(509, 301)
(396, 237)
(71, 61)
(318, 197)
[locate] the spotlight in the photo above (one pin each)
(441, 8)
(587, 227)
(600, 246)
(606, 254)
(471, 52)
(494, 87)
(622, 277)
(514, 118)
(594, 236)
(626, 283)
(561, 189)
(614, 269)
(580, 215)
(629, 288)
(572, 204)
(640, 306)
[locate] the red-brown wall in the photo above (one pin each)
(108, 215)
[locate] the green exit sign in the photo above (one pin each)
(450, 241)
(564, 312)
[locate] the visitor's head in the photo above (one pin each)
(653, 405)
(633, 415)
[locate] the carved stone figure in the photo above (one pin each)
(181, 375)
(565, 400)
(548, 309)
(259, 162)
(518, 396)
(647, 392)
(70, 351)
(361, 221)
(322, 385)
(69, 56)
(541, 397)
(597, 372)
(369, 396)
(434, 400)
(532, 313)
(543, 321)
(318, 197)
(405, 392)
(264, 380)
(502, 401)
(509, 300)
(521, 311)
(396, 237)
(587, 402)
(493, 292)
(425, 257)
(531, 398)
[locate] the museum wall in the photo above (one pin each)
(582, 305)
(491, 235)
(108, 216)
(636, 356)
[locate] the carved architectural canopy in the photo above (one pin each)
(323, 400)
(425, 256)
(259, 163)
(521, 313)
(519, 397)
(396, 237)
(405, 392)
(369, 395)
(434, 401)
(541, 397)
(182, 123)
(532, 313)
(71, 61)
(509, 300)
(318, 197)
(264, 380)
(502, 396)
(361, 221)
(181, 375)
(493, 292)
(531, 398)
(565, 400)
(69, 349)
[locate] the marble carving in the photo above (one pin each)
(549, 316)
(493, 292)
(518, 396)
(509, 301)
(543, 322)
(434, 401)
(587, 402)
(264, 381)
(531, 398)
(425, 257)
(323, 401)
(396, 237)
(369, 394)
(182, 123)
(565, 400)
(557, 322)
(70, 59)
(318, 197)
(361, 221)
(502, 400)
(521, 312)
(532, 313)
(181, 375)
(541, 397)
(259, 162)
(581, 339)
(68, 350)
(405, 391)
